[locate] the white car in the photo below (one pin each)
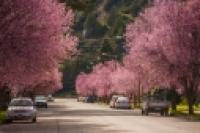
(122, 103)
(50, 98)
(113, 100)
(41, 101)
(81, 99)
(21, 109)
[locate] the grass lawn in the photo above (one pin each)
(2, 117)
(182, 110)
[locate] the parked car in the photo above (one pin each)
(113, 100)
(41, 101)
(50, 98)
(81, 99)
(90, 99)
(156, 105)
(86, 99)
(21, 109)
(122, 103)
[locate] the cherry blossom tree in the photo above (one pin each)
(123, 81)
(35, 37)
(84, 86)
(97, 82)
(165, 46)
(104, 83)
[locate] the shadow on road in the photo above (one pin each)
(91, 113)
(57, 126)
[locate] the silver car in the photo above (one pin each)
(155, 104)
(122, 103)
(113, 100)
(21, 109)
(41, 101)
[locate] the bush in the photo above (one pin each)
(2, 117)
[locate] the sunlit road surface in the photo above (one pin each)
(70, 116)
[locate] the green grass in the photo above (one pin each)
(2, 117)
(182, 111)
(184, 108)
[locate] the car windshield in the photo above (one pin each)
(123, 98)
(21, 103)
(114, 98)
(40, 98)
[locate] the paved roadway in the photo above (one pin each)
(69, 116)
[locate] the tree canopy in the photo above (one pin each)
(35, 37)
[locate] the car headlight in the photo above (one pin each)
(10, 108)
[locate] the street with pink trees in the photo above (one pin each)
(106, 79)
(166, 46)
(35, 38)
(162, 50)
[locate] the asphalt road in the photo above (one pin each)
(69, 116)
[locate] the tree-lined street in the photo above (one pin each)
(70, 116)
(139, 55)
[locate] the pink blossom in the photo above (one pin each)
(163, 44)
(33, 41)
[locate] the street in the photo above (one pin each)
(70, 116)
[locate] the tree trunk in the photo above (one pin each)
(173, 107)
(191, 95)
(139, 95)
(135, 100)
(5, 98)
(191, 109)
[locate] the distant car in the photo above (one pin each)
(21, 109)
(90, 99)
(50, 98)
(113, 100)
(41, 101)
(122, 103)
(81, 99)
(155, 105)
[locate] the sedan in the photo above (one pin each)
(113, 100)
(41, 101)
(21, 109)
(123, 103)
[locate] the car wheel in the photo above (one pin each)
(162, 112)
(9, 121)
(142, 112)
(34, 120)
(146, 112)
(166, 112)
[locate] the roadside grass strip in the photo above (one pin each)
(2, 117)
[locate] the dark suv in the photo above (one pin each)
(155, 104)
